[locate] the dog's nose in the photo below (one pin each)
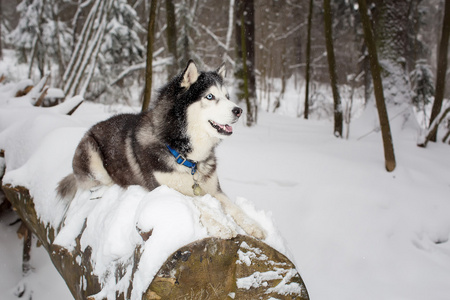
(237, 111)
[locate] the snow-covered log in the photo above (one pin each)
(238, 268)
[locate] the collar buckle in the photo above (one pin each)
(182, 161)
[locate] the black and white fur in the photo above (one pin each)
(191, 114)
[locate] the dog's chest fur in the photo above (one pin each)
(182, 180)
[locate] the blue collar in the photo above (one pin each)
(181, 160)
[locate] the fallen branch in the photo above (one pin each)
(446, 136)
(24, 91)
(69, 106)
(428, 134)
(41, 97)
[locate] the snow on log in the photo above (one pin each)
(238, 268)
(131, 243)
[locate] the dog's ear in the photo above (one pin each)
(190, 74)
(222, 71)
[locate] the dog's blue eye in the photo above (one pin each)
(210, 97)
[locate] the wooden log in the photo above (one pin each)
(4, 203)
(212, 268)
(65, 262)
(41, 97)
(24, 290)
(24, 92)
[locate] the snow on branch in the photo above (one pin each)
(140, 66)
(215, 37)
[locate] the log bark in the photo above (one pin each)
(206, 269)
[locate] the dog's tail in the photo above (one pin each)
(67, 188)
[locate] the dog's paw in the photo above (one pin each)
(255, 230)
(225, 233)
(217, 229)
(258, 233)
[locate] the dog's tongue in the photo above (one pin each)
(224, 128)
(228, 128)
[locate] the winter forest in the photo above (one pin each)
(98, 49)
(342, 149)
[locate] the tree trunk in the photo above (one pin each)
(332, 68)
(378, 88)
(1, 20)
(308, 59)
(59, 55)
(206, 267)
(149, 67)
(81, 45)
(365, 67)
(87, 48)
(229, 30)
(392, 23)
(245, 73)
(171, 38)
(441, 68)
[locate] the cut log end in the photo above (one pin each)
(239, 268)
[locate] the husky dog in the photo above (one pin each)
(171, 144)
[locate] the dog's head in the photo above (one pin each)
(211, 112)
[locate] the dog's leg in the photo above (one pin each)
(240, 217)
(213, 226)
(88, 168)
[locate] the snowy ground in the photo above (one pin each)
(354, 230)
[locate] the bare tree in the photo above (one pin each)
(441, 68)
(149, 68)
(245, 69)
(378, 88)
(332, 68)
(308, 59)
(171, 38)
(1, 19)
(86, 51)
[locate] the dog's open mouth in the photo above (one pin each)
(222, 129)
